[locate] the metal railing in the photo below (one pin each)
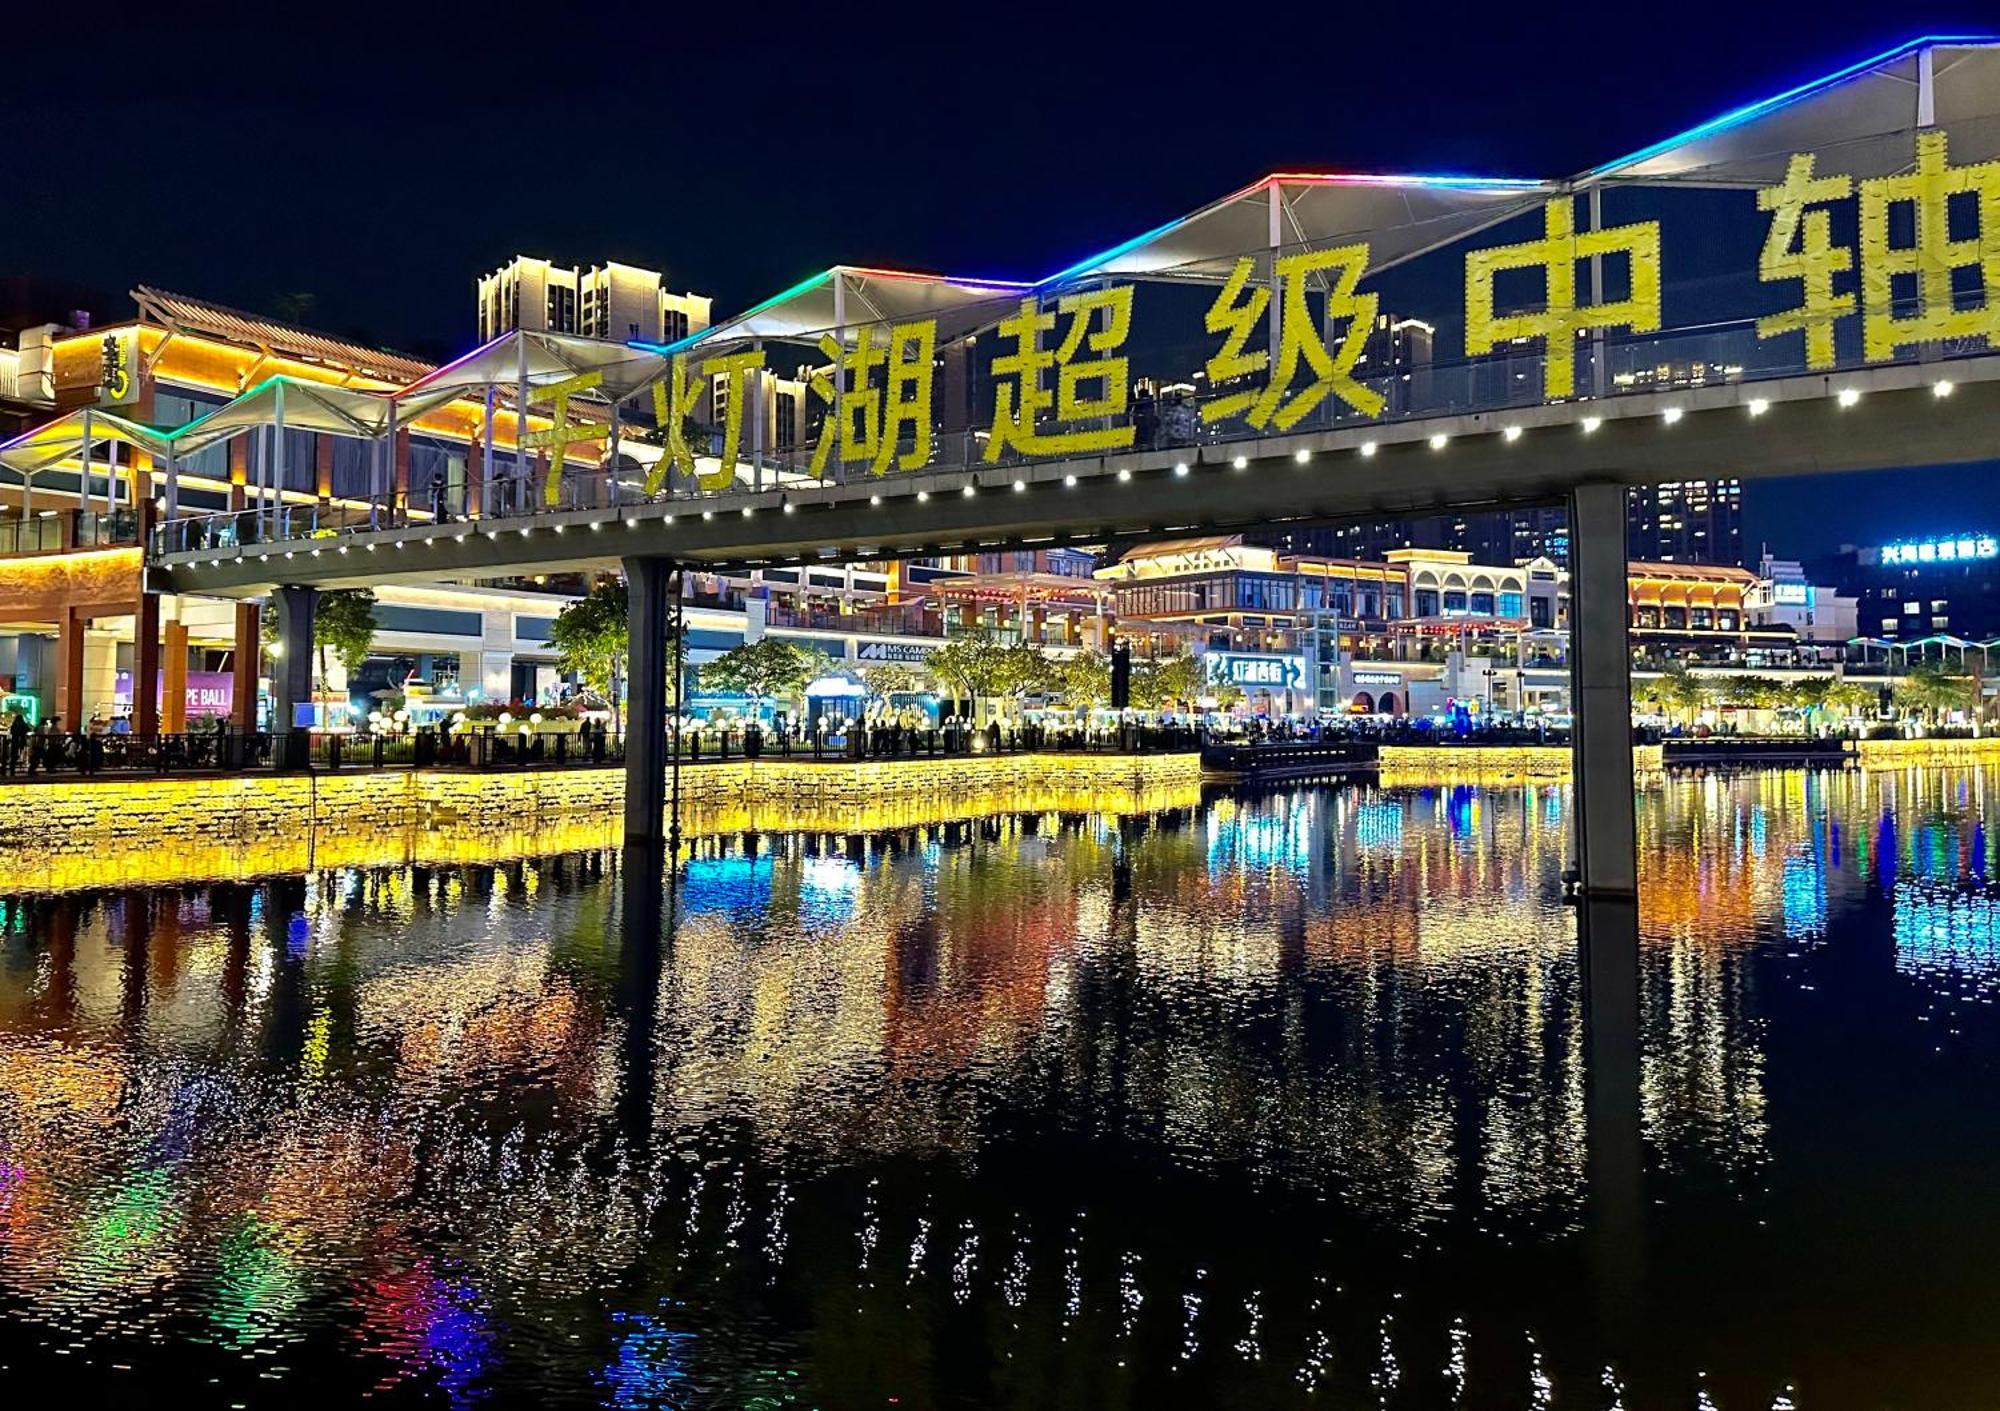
(1683, 359)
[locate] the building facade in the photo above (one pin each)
(613, 301)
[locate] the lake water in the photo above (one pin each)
(1278, 1101)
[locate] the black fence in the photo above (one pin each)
(198, 752)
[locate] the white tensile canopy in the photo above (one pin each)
(538, 360)
(848, 296)
(1400, 217)
(303, 406)
(73, 435)
(1861, 118)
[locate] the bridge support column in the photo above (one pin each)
(1607, 859)
(291, 676)
(646, 705)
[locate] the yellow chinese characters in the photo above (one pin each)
(674, 403)
(1237, 311)
(1021, 395)
(561, 435)
(865, 422)
(1799, 245)
(1933, 257)
(1561, 318)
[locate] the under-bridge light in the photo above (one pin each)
(1439, 441)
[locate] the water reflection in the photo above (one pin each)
(1277, 1100)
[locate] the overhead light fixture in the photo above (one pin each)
(596, 524)
(1671, 415)
(1940, 389)
(705, 514)
(969, 491)
(1512, 433)
(1438, 441)
(790, 507)
(1124, 474)
(1367, 448)
(1241, 462)
(1069, 482)
(923, 496)
(1759, 405)
(1849, 396)
(524, 532)
(559, 529)
(1590, 424)
(874, 499)
(634, 524)
(1302, 455)
(1019, 486)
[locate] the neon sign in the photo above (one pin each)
(1984, 546)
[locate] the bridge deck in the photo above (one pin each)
(1381, 469)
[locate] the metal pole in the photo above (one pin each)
(278, 455)
(1277, 234)
(521, 411)
(611, 490)
(387, 495)
(111, 478)
(674, 703)
(83, 487)
(757, 423)
(839, 367)
(173, 482)
(486, 454)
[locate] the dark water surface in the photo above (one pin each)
(1278, 1102)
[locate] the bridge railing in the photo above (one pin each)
(1705, 355)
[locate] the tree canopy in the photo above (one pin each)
(766, 669)
(591, 637)
(343, 623)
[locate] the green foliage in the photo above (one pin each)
(1174, 679)
(891, 679)
(591, 637)
(769, 668)
(1084, 680)
(971, 667)
(343, 624)
(1930, 691)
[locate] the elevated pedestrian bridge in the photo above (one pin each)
(1938, 413)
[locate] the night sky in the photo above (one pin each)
(378, 161)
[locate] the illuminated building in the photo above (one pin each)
(1686, 521)
(612, 301)
(1944, 585)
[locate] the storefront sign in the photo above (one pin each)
(1377, 678)
(1982, 546)
(208, 692)
(118, 368)
(1256, 671)
(910, 653)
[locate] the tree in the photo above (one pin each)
(1025, 671)
(1679, 691)
(1085, 679)
(891, 679)
(768, 668)
(1928, 691)
(592, 637)
(1162, 681)
(343, 623)
(972, 666)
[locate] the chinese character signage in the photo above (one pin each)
(1982, 546)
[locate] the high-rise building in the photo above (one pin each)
(605, 301)
(1686, 521)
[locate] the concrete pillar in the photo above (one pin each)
(646, 708)
(244, 669)
(323, 467)
(146, 665)
(1601, 685)
(291, 675)
(70, 708)
(239, 472)
(173, 679)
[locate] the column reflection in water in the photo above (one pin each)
(1291, 1096)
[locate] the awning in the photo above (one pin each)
(1400, 217)
(1860, 118)
(308, 406)
(543, 360)
(850, 296)
(64, 439)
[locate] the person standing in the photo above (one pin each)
(17, 741)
